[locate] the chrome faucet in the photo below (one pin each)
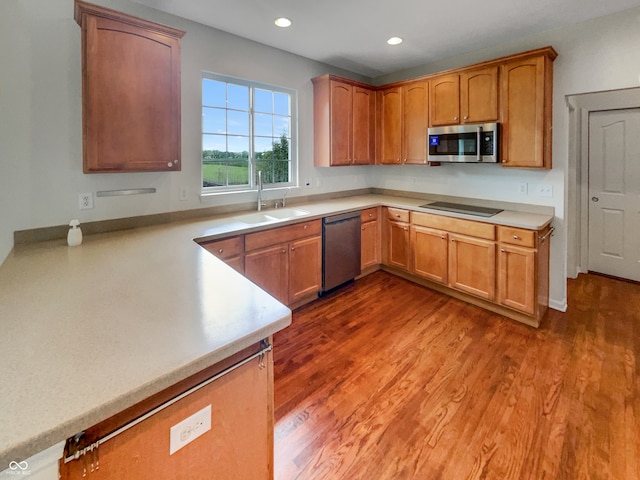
(260, 202)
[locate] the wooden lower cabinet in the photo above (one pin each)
(523, 270)
(429, 253)
(397, 249)
(369, 238)
(472, 266)
(305, 259)
(286, 261)
(239, 445)
(269, 269)
(516, 277)
(230, 250)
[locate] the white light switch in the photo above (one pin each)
(189, 429)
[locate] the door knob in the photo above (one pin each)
(595, 199)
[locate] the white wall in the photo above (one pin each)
(40, 119)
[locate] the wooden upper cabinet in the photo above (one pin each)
(403, 125)
(479, 95)
(340, 123)
(130, 92)
(390, 127)
(344, 122)
(526, 101)
(415, 119)
(363, 126)
(444, 100)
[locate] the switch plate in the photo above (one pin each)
(523, 188)
(184, 193)
(545, 190)
(85, 201)
(189, 429)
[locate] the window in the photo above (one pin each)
(246, 127)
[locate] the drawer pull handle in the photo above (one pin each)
(515, 237)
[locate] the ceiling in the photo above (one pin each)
(352, 34)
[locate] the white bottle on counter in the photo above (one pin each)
(74, 237)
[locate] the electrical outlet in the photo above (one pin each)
(545, 190)
(523, 188)
(307, 183)
(85, 201)
(184, 193)
(189, 429)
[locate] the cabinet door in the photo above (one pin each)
(472, 266)
(516, 278)
(390, 105)
(397, 248)
(370, 244)
(429, 256)
(340, 123)
(239, 445)
(479, 95)
(130, 96)
(415, 119)
(444, 100)
(305, 268)
(268, 268)
(363, 141)
(526, 113)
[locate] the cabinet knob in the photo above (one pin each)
(293, 248)
(404, 161)
(398, 215)
(370, 215)
(455, 118)
(502, 250)
(284, 250)
(169, 164)
(305, 227)
(515, 237)
(453, 239)
(220, 250)
(466, 117)
(405, 229)
(442, 237)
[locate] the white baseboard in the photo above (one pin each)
(560, 305)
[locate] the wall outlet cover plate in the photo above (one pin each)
(189, 429)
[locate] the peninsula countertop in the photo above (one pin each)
(89, 331)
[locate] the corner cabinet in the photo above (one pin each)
(526, 104)
(130, 92)
(344, 122)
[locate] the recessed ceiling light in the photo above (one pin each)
(394, 41)
(283, 22)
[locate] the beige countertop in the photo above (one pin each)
(88, 331)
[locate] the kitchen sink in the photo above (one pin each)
(272, 216)
(286, 213)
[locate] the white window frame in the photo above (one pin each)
(293, 160)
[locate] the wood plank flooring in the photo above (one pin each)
(391, 380)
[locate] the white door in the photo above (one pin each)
(614, 193)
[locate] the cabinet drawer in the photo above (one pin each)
(277, 235)
(369, 215)
(517, 236)
(455, 225)
(397, 214)
(225, 248)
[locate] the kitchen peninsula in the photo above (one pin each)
(95, 329)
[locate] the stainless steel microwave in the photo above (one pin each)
(473, 143)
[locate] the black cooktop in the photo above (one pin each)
(461, 208)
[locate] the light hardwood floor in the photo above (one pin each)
(390, 380)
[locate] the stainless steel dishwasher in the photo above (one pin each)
(340, 249)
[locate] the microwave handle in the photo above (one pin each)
(479, 143)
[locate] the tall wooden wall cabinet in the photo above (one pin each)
(130, 92)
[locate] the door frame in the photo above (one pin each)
(577, 178)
